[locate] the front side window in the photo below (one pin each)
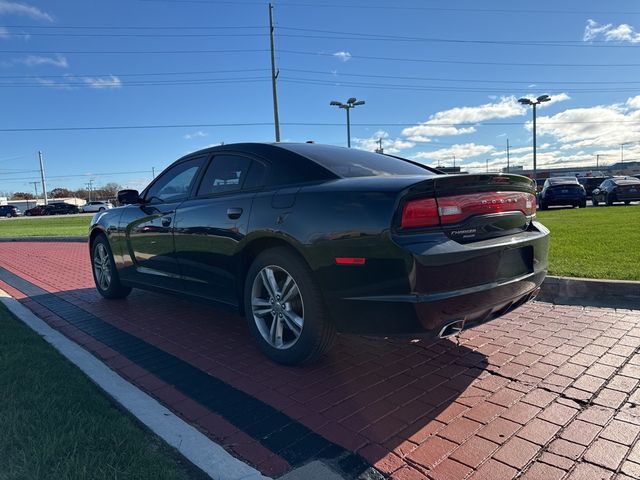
(226, 173)
(175, 183)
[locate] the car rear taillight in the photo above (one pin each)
(428, 212)
(420, 213)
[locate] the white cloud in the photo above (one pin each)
(389, 145)
(102, 82)
(198, 134)
(461, 152)
(342, 55)
(36, 61)
(445, 123)
(600, 125)
(622, 33)
(15, 8)
(634, 102)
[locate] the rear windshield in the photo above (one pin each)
(563, 181)
(627, 181)
(346, 162)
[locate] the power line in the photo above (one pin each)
(307, 124)
(439, 88)
(144, 74)
(109, 83)
(145, 52)
(464, 62)
(448, 79)
(368, 6)
(334, 35)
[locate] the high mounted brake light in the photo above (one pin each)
(429, 212)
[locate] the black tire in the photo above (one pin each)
(609, 200)
(318, 331)
(113, 288)
(8, 215)
(27, 214)
(101, 209)
(627, 202)
(543, 206)
(583, 204)
(594, 202)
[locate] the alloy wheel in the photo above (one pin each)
(102, 266)
(277, 307)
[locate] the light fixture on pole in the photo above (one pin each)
(534, 103)
(351, 103)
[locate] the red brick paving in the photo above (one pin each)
(546, 392)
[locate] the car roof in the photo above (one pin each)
(626, 181)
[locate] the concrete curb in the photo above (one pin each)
(592, 292)
(196, 447)
(44, 239)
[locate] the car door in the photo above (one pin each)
(210, 227)
(148, 226)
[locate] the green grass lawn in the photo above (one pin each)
(55, 424)
(601, 242)
(56, 226)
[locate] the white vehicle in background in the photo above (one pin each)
(92, 207)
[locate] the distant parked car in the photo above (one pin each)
(562, 191)
(617, 189)
(96, 207)
(36, 211)
(9, 211)
(591, 183)
(61, 209)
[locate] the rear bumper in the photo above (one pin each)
(446, 281)
(558, 201)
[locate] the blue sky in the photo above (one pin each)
(440, 78)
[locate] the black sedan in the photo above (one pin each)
(61, 208)
(562, 191)
(617, 189)
(306, 240)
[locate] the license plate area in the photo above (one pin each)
(515, 262)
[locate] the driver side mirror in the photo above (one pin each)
(128, 197)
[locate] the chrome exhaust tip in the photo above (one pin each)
(533, 295)
(451, 329)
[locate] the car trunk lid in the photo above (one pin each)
(470, 208)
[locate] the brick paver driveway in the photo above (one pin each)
(546, 392)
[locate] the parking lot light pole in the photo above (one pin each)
(534, 103)
(351, 103)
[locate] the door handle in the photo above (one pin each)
(234, 213)
(166, 221)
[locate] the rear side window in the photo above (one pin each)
(226, 173)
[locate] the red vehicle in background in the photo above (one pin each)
(36, 211)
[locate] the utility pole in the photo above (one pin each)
(153, 172)
(487, 161)
(89, 185)
(44, 184)
(507, 155)
(274, 75)
(597, 160)
(454, 161)
(379, 149)
(622, 153)
(35, 185)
